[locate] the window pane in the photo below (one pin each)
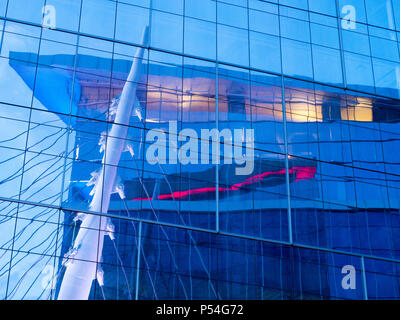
(204, 9)
(167, 31)
(131, 22)
(325, 36)
(98, 18)
(233, 45)
(380, 13)
(67, 13)
(173, 6)
(232, 15)
(295, 29)
(265, 52)
(32, 10)
(264, 22)
(292, 53)
(327, 65)
(384, 49)
(387, 78)
(355, 42)
(200, 38)
(323, 6)
(359, 72)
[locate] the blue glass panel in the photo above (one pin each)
(200, 38)
(325, 36)
(295, 29)
(327, 65)
(205, 9)
(131, 22)
(355, 42)
(173, 6)
(233, 45)
(3, 6)
(302, 4)
(167, 31)
(142, 3)
(67, 13)
(396, 12)
(387, 78)
(265, 52)
(98, 18)
(384, 49)
(232, 15)
(380, 13)
(264, 22)
(294, 51)
(269, 6)
(323, 6)
(32, 11)
(382, 279)
(359, 72)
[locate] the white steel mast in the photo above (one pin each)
(83, 260)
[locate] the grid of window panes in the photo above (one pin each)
(320, 91)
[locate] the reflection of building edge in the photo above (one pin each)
(330, 114)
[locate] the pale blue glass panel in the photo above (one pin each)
(384, 49)
(242, 3)
(295, 29)
(293, 13)
(323, 6)
(387, 78)
(327, 65)
(173, 6)
(167, 31)
(396, 12)
(21, 40)
(265, 52)
(142, 3)
(302, 4)
(296, 58)
(355, 42)
(380, 13)
(264, 22)
(26, 10)
(3, 5)
(232, 15)
(233, 45)
(205, 9)
(131, 21)
(323, 19)
(269, 6)
(200, 38)
(358, 72)
(67, 13)
(98, 17)
(325, 36)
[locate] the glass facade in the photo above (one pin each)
(90, 88)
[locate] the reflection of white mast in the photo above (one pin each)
(82, 262)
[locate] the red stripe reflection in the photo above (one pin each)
(302, 173)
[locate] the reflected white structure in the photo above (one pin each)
(82, 262)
